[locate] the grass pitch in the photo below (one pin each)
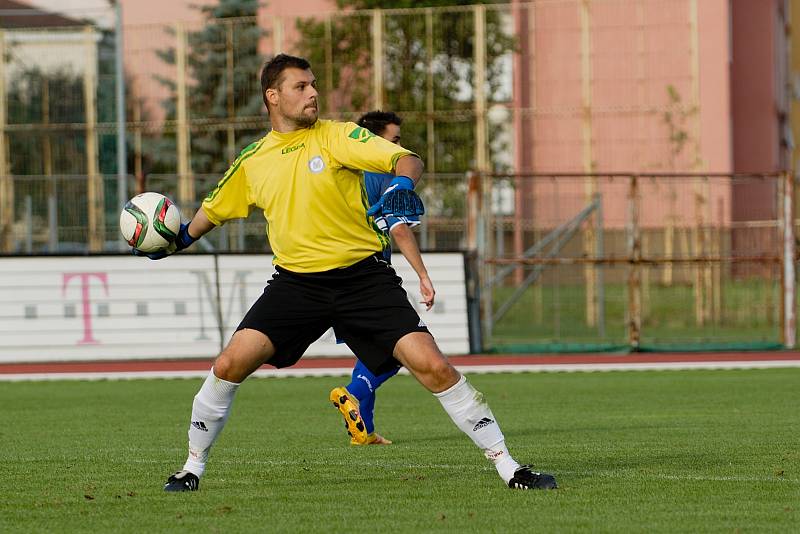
(694, 451)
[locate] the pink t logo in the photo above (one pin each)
(87, 311)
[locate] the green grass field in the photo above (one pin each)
(699, 451)
(749, 315)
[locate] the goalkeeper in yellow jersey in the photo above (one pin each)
(306, 177)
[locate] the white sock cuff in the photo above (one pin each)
(452, 390)
(215, 389)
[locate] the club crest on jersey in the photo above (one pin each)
(316, 164)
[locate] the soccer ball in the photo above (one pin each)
(150, 222)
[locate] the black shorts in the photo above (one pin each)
(364, 303)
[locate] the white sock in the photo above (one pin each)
(210, 410)
(469, 411)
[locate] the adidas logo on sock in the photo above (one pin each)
(482, 423)
(199, 425)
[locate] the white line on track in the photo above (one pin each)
(467, 369)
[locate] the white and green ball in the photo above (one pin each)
(150, 222)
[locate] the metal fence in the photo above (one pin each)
(635, 261)
(553, 85)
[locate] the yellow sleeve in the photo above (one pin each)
(231, 198)
(355, 147)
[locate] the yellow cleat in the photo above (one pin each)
(348, 407)
(373, 439)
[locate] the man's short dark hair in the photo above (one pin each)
(377, 121)
(272, 73)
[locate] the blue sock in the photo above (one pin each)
(362, 386)
(367, 409)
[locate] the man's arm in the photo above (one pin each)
(399, 198)
(407, 244)
(200, 225)
(410, 166)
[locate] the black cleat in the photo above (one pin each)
(524, 479)
(182, 481)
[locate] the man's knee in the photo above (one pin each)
(225, 368)
(443, 375)
(419, 353)
(245, 353)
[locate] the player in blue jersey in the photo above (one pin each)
(356, 401)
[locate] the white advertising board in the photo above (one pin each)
(121, 307)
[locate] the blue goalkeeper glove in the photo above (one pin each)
(398, 200)
(182, 241)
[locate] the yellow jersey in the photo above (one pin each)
(309, 184)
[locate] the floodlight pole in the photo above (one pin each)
(122, 156)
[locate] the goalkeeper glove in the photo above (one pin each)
(182, 241)
(399, 200)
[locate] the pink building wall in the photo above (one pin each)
(637, 51)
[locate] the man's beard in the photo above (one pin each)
(303, 120)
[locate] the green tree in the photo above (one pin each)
(43, 105)
(407, 58)
(224, 95)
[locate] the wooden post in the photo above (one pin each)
(474, 208)
(476, 244)
(6, 180)
(138, 170)
(481, 137)
(277, 35)
(697, 269)
(525, 96)
(634, 272)
(645, 273)
(328, 42)
(95, 190)
(185, 183)
(590, 186)
(430, 129)
(229, 91)
(669, 234)
(789, 329)
(708, 280)
(377, 57)
(717, 245)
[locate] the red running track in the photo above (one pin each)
(467, 361)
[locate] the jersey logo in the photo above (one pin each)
(316, 164)
(289, 149)
(362, 135)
